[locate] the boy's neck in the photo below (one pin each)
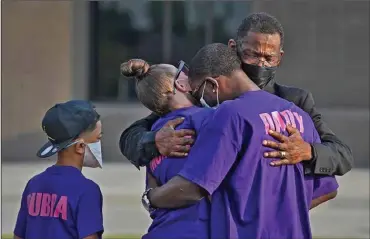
(65, 160)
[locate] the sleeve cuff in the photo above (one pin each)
(332, 188)
(210, 188)
(309, 166)
(18, 233)
(149, 148)
(99, 231)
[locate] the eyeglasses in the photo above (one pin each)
(255, 60)
(182, 68)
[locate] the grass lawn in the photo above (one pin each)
(6, 236)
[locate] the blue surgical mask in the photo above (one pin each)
(203, 101)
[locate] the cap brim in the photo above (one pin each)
(50, 149)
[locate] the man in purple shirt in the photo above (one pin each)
(60, 202)
(250, 199)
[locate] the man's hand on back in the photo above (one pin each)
(174, 143)
(291, 150)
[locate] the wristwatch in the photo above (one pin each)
(146, 202)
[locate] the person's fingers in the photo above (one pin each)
(291, 130)
(178, 154)
(184, 132)
(275, 154)
(173, 123)
(270, 144)
(186, 141)
(280, 162)
(278, 136)
(272, 154)
(274, 145)
(181, 148)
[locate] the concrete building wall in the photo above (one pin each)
(36, 67)
(326, 49)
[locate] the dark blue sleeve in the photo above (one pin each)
(90, 212)
(216, 149)
(21, 224)
(324, 185)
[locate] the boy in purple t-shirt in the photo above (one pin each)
(60, 203)
(250, 199)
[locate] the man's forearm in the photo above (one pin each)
(137, 142)
(320, 200)
(332, 158)
(93, 236)
(176, 193)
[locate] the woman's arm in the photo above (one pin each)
(140, 145)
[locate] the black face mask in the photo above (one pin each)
(260, 75)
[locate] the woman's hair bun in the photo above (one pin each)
(135, 68)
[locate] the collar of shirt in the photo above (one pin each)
(58, 169)
(180, 112)
(270, 87)
(251, 92)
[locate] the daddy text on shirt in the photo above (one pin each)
(277, 121)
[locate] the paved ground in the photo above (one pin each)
(122, 184)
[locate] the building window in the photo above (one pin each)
(156, 31)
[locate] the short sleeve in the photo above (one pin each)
(90, 212)
(21, 224)
(215, 150)
(324, 185)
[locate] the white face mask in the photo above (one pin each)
(203, 101)
(93, 155)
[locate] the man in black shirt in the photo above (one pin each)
(259, 44)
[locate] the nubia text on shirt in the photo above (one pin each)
(47, 205)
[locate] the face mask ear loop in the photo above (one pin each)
(204, 87)
(218, 101)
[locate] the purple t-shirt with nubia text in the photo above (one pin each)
(250, 198)
(60, 203)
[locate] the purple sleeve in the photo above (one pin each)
(316, 136)
(215, 149)
(21, 224)
(90, 212)
(324, 185)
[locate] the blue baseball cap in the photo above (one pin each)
(64, 122)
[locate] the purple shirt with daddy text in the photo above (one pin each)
(60, 203)
(183, 223)
(251, 199)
